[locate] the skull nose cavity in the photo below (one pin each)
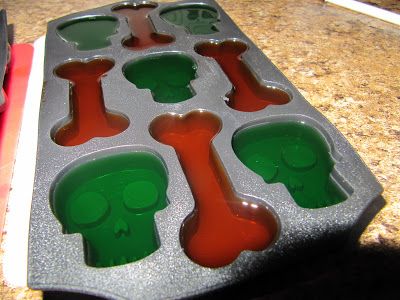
(121, 228)
(89, 209)
(140, 196)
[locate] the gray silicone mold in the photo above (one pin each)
(56, 260)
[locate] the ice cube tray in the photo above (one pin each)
(175, 159)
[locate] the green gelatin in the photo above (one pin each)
(111, 202)
(168, 76)
(89, 33)
(294, 154)
(196, 19)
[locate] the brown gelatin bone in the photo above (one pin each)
(139, 23)
(222, 225)
(89, 117)
(248, 94)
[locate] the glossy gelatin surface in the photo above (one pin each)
(89, 33)
(143, 35)
(89, 116)
(168, 76)
(222, 225)
(294, 154)
(248, 93)
(196, 19)
(111, 202)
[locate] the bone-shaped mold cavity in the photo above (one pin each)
(111, 202)
(143, 35)
(222, 225)
(88, 115)
(248, 93)
(195, 19)
(294, 154)
(89, 33)
(168, 76)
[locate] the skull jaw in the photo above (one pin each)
(110, 250)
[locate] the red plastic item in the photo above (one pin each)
(15, 87)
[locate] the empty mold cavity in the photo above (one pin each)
(294, 154)
(222, 225)
(249, 93)
(143, 35)
(195, 19)
(111, 202)
(167, 75)
(88, 115)
(89, 33)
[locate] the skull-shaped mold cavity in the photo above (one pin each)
(294, 154)
(196, 19)
(168, 76)
(89, 33)
(111, 202)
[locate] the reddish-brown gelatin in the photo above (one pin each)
(143, 35)
(89, 117)
(248, 94)
(222, 225)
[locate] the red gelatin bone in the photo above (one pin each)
(89, 118)
(222, 225)
(248, 94)
(144, 34)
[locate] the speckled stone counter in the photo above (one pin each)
(346, 65)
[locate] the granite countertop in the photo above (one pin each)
(347, 66)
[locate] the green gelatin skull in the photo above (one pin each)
(89, 33)
(168, 76)
(196, 19)
(294, 154)
(111, 202)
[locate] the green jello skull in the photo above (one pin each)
(89, 33)
(111, 202)
(294, 154)
(196, 19)
(168, 76)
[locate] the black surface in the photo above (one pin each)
(367, 273)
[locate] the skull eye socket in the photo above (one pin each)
(264, 166)
(193, 14)
(140, 196)
(299, 157)
(89, 209)
(207, 15)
